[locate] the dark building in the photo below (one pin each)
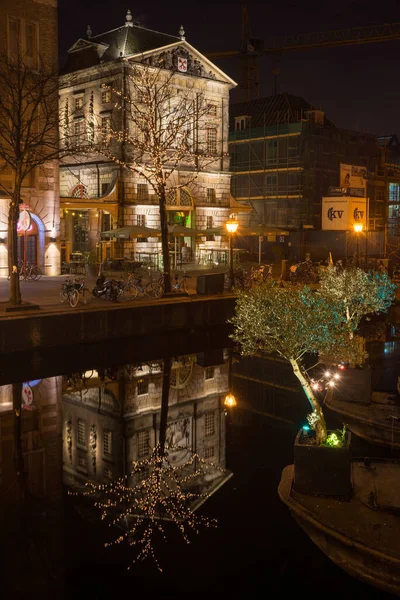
(286, 156)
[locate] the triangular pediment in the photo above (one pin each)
(183, 58)
(82, 44)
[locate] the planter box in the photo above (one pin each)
(321, 470)
(210, 284)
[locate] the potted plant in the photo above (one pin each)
(294, 322)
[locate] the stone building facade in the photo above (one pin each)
(110, 424)
(31, 26)
(96, 194)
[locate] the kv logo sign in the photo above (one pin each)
(334, 214)
(358, 214)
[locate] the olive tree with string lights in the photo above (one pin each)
(293, 322)
(161, 133)
(357, 293)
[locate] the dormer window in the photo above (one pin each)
(242, 122)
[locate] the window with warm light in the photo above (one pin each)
(211, 140)
(142, 386)
(209, 452)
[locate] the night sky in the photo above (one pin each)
(358, 87)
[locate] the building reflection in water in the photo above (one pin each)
(116, 423)
(31, 487)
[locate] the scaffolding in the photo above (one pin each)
(266, 165)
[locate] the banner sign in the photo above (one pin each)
(340, 213)
(353, 176)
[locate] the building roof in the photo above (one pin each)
(272, 110)
(129, 39)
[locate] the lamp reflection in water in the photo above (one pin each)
(358, 227)
(231, 227)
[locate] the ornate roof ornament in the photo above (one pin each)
(129, 19)
(182, 33)
(88, 32)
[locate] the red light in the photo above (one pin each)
(342, 367)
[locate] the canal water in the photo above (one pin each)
(93, 414)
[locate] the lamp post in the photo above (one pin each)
(358, 227)
(231, 226)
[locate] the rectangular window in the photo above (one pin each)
(209, 424)
(209, 222)
(209, 373)
(82, 433)
(108, 473)
(106, 128)
(30, 40)
(142, 191)
(143, 444)
(106, 96)
(211, 195)
(82, 462)
(394, 192)
(79, 132)
(142, 386)
(209, 452)
(79, 103)
(211, 140)
(104, 188)
(107, 443)
(212, 110)
(141, 220)
(141, 96)
(13, 36)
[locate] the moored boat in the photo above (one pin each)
(362, 536)
(378, 422)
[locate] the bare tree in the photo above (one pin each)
(162, 131)
(28, 136)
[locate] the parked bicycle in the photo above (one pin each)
(74, 289)
(240, 280)
(136, 286)
(28, 271)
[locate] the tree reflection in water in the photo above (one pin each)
(155, 491)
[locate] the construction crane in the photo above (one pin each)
(251, 49)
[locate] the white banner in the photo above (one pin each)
(341, 212)
(353, 176)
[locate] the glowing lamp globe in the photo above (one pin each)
(231, 225)
(230, 401)
(358, 227)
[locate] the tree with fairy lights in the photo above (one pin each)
(293, 322)
(161, 136)
(153, 492)
(357, 293)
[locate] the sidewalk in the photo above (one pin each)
(46, 291)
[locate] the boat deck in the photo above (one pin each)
(370, 518)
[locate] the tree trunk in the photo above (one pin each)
(18, 456)
(13, 216)
(320, 427)
(165, 240)
(164, 403)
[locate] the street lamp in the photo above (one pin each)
(358, 227)
(230, 401)
(231, 226)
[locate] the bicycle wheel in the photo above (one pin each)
(130, 291)
(22, 274)
(36, 273)
(153, 290)
(73, 298)
(63, 295)
(227, 281)
(86, 295)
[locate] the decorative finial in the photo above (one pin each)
(182, 33)
(129, 19)
(88, 32)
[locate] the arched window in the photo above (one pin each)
(79, 191)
